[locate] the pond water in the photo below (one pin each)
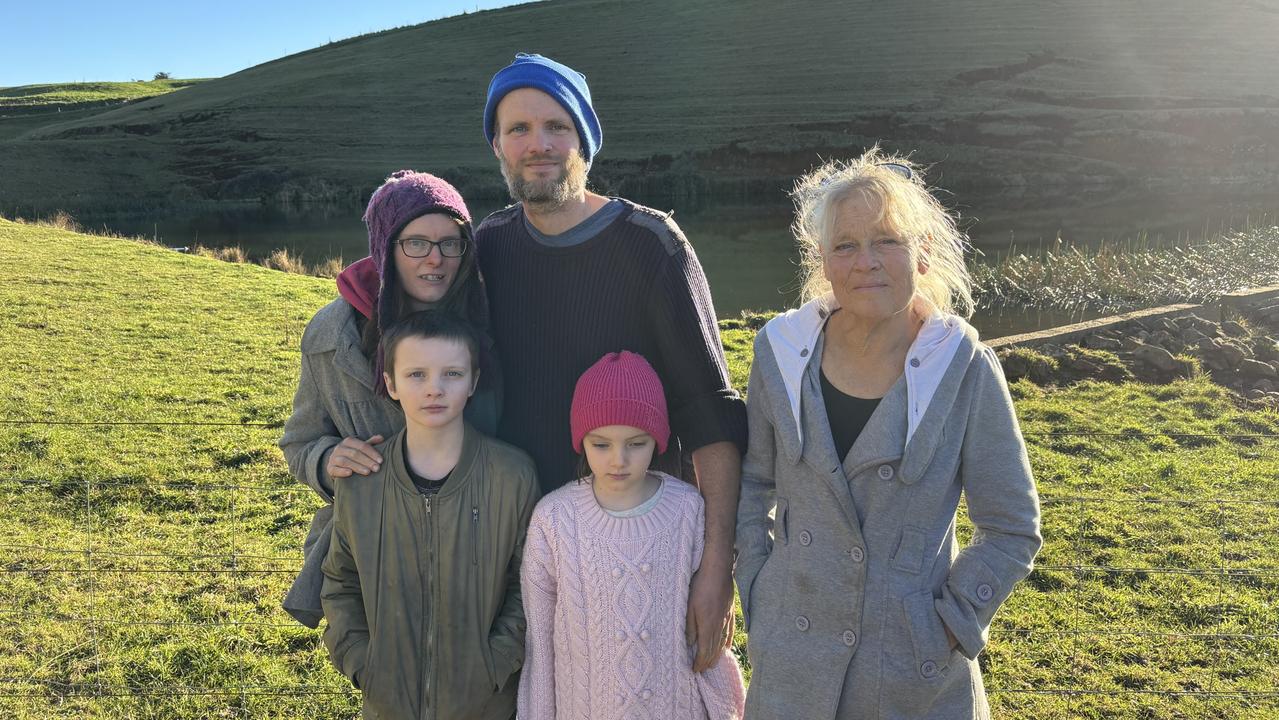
(746, 249)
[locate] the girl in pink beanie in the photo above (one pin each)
(607, 566)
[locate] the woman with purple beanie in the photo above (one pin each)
(421, 256)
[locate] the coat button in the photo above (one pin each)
(803, 353)
(621, 635)
(985, 592)
(857, 554)
(928, 669)
(805, 539)
(644, 635)
(914, 362)
(885, 472)
(850, 638)
(617, 572)
(801, 623)
(646, 568)
(646, 694)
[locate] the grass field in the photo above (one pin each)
(143, 564)
(713, 96)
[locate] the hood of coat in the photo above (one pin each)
(358, 284)
(793, 338)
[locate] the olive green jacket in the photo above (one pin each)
(335, 400)
(422, 593)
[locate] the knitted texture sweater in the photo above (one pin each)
(605, 600)
(636, 285)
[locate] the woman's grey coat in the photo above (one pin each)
(335, 400)
(846, 585)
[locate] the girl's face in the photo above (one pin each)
(427, 279)
(619, 456)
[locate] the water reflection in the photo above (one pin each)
(747, 250)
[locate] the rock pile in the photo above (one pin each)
(1241, 354)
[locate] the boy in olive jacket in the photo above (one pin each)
(422, 580)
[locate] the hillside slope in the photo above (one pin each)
(1001, 92)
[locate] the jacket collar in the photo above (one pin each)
(794, 340)
(334, 330)
(458, 478)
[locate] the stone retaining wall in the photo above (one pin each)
(1233, 341)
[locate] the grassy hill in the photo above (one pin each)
(27, 107)
(720, 95)
(146, 553)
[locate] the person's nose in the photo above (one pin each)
(542, 142)
(865, 259)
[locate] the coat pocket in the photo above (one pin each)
(927, 637)
(910, 551)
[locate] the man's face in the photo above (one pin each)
(539, 150)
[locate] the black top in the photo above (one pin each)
(636, 285)
(425, 486)
(848, 415)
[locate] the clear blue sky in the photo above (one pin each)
(55, 41)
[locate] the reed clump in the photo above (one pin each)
(1129, 275)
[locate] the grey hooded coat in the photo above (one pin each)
(849, 570)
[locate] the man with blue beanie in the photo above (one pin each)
(573, 275)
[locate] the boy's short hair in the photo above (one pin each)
(429, 324)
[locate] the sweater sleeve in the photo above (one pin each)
(347, 633)
(1003, 507)
(759, 492)
(310, 435)
(704, 408)
(506, 639)
(721, 688)
(538, 581)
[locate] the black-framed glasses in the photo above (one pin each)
(421, 247)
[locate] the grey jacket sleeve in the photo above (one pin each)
(759, 490)
(1003, 506)
(310, 435)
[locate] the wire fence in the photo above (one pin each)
(106, 594)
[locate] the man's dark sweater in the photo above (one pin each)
(636, 285)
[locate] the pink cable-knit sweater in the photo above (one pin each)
(605, 599)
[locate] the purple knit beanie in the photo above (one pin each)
(620, 389)
(406, 196)
(566, 85)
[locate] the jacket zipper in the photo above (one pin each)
(429, 574)
(475, 535)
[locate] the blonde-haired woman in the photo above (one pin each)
(872, 408)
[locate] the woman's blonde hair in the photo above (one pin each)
(906, 209)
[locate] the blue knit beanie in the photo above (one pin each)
(561, 82)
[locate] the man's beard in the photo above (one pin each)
(550, 194)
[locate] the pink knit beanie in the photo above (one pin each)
(620, 389)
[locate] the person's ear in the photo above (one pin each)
(475, 383)
(390, 385)
(923, 260)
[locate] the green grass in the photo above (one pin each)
(61, 95)
(194, 531)
(713, 96)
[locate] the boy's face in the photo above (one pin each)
(433, 379)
